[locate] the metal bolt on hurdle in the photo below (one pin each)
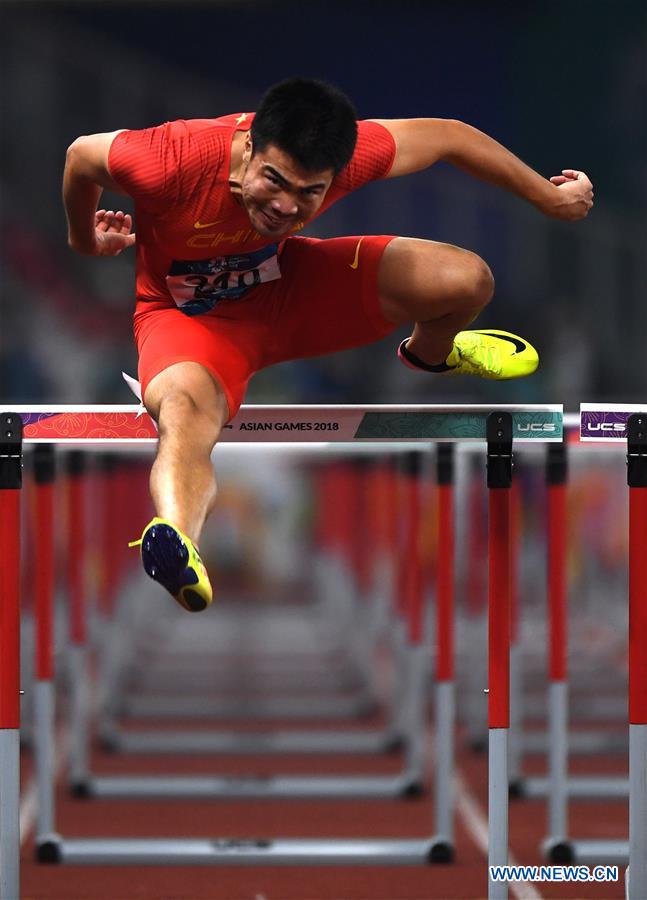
(358, 427)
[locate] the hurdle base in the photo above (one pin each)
(48, 849)
(581, 786)
(81, 789)
(477, 744)
(558, 851)
(255, 852)
(413, 790)
(441, 852)
(601, 852)
(109, 741)
(195, 707)
(407, 785)
(516, 789)
(113, 740)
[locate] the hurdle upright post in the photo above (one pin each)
(515, 732)
(415, 650)
(76, 586)
(10, 484)
(44, 462)
(445, 686)
(475, 591)
(499, 483)
(557, 846)
(637, 481)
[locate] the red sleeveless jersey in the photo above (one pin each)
(187, 219)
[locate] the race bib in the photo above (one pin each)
(198, 285)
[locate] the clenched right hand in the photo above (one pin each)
(574, 197)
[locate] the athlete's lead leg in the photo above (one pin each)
(190, 409)
(440, 287)
(443, 289)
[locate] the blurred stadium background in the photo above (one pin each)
(560, 84)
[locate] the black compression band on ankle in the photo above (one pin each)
(413, 360)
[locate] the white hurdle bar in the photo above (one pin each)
(317, 427)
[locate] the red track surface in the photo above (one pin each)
(466, 878)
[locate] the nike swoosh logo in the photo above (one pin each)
(520, 346)
(355, 262)
(199, 224)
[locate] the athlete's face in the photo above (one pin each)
(278, 194)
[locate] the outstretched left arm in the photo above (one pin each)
(422, 142)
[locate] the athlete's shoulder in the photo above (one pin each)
(209, 134)
(371, 132)
(219, 127)
(159, 166)
(240, 121)
(372, 159)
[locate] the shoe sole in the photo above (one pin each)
(165, 557)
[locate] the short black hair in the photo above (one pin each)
(312, 121)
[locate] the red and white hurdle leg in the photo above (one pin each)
(44, 476)
(10, 484)
(445, 680)
(499, 482)
(637, 481)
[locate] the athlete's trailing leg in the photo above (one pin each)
(442, 289)
(190, 409)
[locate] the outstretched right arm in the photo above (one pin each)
(93, 232)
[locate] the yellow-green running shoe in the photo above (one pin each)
(171, 559)
(489, 354)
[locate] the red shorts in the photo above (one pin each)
(321, 304)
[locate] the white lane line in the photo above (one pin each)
(475, 822)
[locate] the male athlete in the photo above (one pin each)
(225, 286)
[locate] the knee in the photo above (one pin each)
(176, 404)
(463, 285)
(180, 413)
(476, 280)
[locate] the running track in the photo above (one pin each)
(466, 878)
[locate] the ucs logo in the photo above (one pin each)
(543, 427)
(614, 427)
